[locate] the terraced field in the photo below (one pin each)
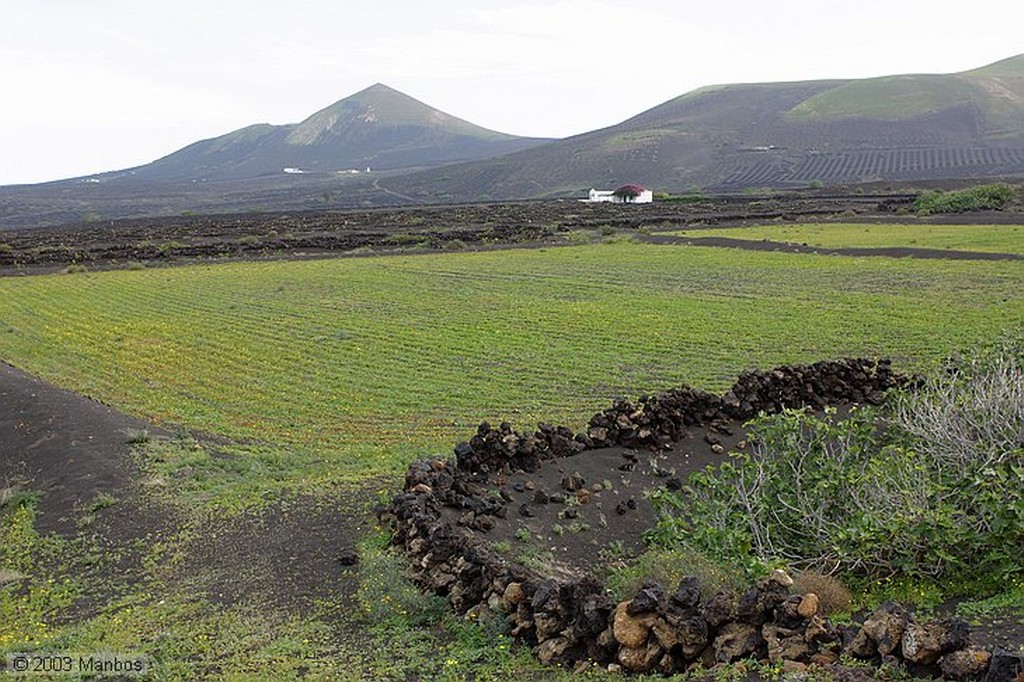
(355, 366)
(984, 238)
(849, 166)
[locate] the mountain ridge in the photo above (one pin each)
(902, 129)
(376, 127)
(730, 137)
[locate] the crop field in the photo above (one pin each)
(355, 366)
(324, 378)
(863, 165)
(989, 238)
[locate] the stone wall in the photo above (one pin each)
(667, 629)
(663, 418)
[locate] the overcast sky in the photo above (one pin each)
(109, 84)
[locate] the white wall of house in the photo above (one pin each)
(608, 195)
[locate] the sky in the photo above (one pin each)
(109, 84)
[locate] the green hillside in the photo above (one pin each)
(901, 128)
(889, 98)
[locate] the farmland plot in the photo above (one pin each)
(362, 364)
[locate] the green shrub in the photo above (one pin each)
(937, 493)
(386, 597)
(409, 239)
(981, 198)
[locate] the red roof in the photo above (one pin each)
(630, 190)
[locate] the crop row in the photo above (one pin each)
(365, 363)
(859, 165)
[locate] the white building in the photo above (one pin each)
(627, 194)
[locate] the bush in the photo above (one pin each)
(832, 595)
(938, 492)
(981, 198)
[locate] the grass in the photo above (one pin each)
(886, 98)
(317, 374)
(352, 367)
(990, 238)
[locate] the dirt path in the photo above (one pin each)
(287, 555)
(62, 445)
(786, 247)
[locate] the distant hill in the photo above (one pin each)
(902, 129)
(379, 128)
(733, 137)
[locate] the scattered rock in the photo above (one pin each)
(631, 631)
(966, 664)
(1005, 666)
(348, 557)
(572, 483)
(808, 606)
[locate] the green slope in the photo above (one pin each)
(895, 128)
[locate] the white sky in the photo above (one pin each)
(108, 84)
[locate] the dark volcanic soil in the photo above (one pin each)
(584, 510)
(62, 445)
(70, 449)
(308, 234)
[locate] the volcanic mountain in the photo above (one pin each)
(905, 128)
(379, 128)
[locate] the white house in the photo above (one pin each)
(627, 194)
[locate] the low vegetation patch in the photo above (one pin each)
(356, 366)
(994, 197)
(931, 487)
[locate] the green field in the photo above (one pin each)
(990, 238)
(362, 364)
(327, 374)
